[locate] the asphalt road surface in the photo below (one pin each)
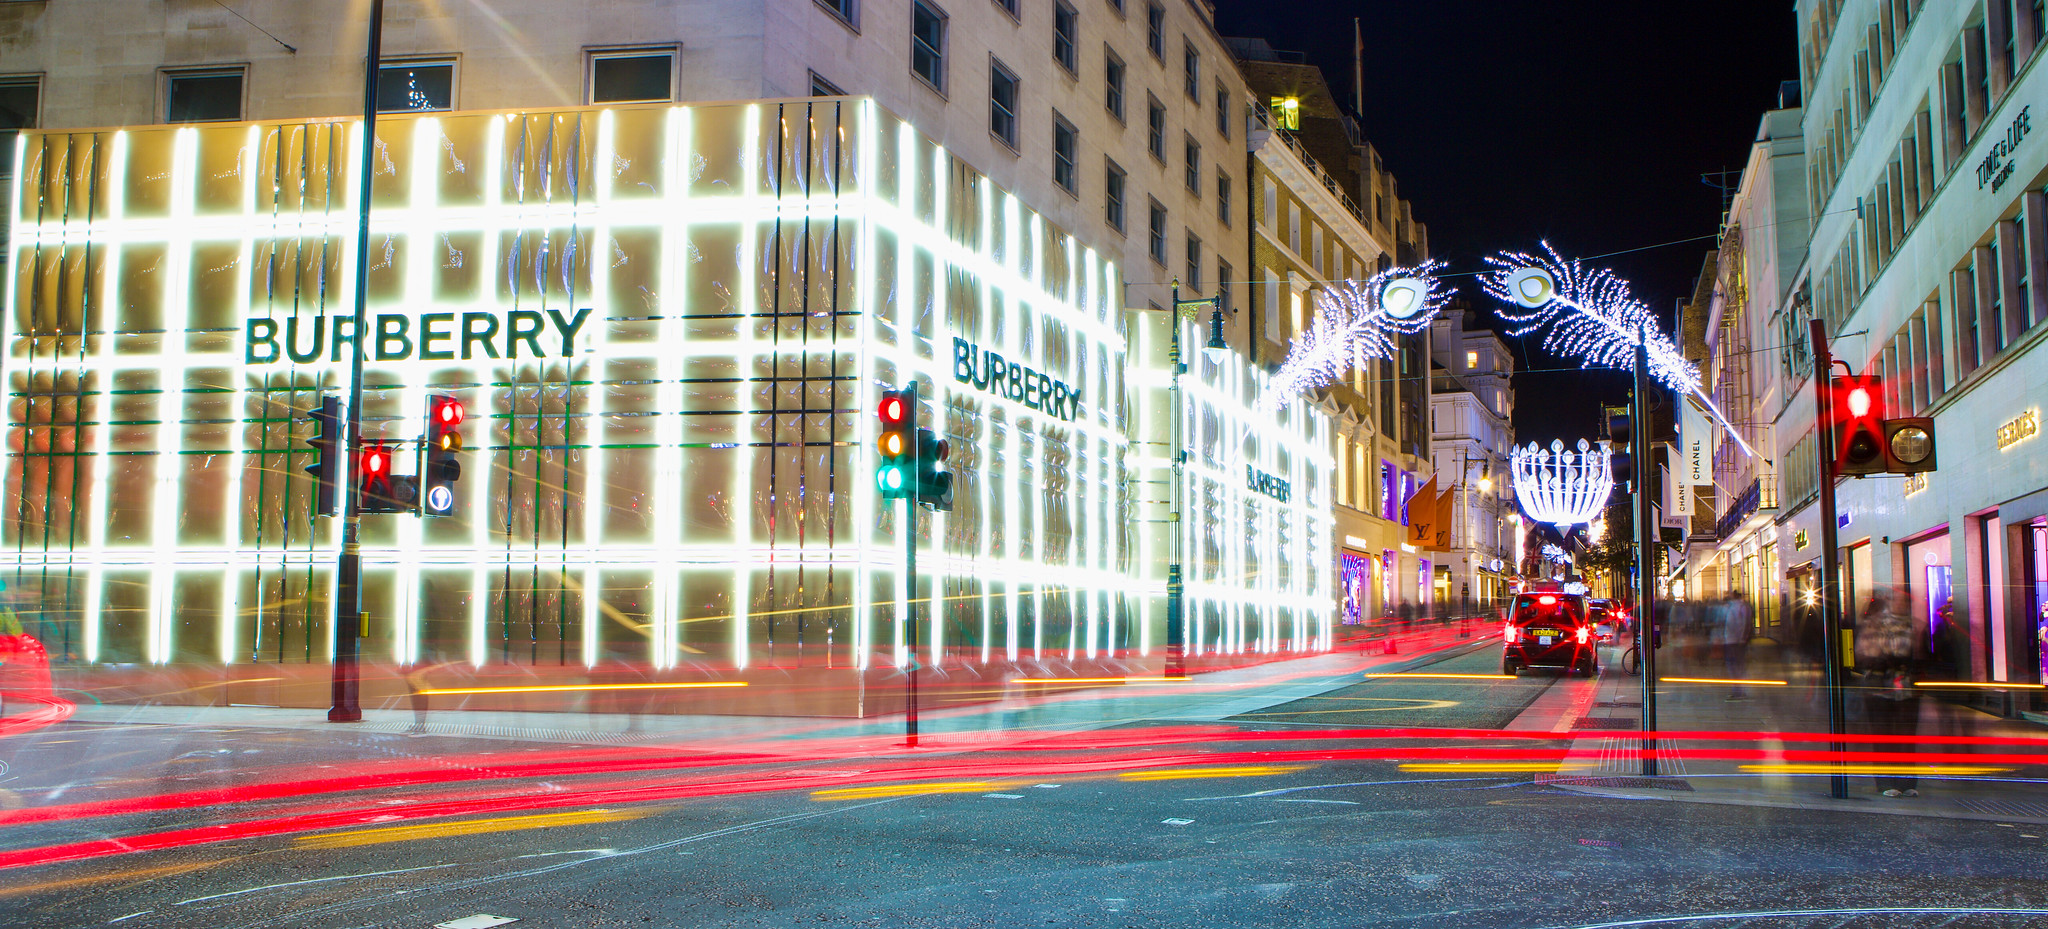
(1452, 703)
(1263, 821)
(1338, 845)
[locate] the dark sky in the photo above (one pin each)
(1586, 122)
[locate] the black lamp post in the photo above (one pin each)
(348, 588)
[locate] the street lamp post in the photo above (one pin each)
(348, 590)
(1176, 582)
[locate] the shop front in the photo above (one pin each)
(670, 326)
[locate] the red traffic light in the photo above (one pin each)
(893, 409)
(1857, 423)
(376, 464)
(448, 413)
(1858, 401)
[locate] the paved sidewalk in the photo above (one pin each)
(1608, 725)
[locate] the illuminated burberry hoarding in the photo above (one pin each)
(670, 325)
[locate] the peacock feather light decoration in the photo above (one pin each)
(1354, 319)
(1589, 314)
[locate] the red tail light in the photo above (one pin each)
(1547, 600)
(1585, 632)
(1509, 632)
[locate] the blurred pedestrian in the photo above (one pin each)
(1887, 655)
(1737, 625)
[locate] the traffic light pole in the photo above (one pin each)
(910, 579)
(1646, 585)
(348, 589)
(1830, 573)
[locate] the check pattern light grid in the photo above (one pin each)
(684, 480)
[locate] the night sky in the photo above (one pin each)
(1586, 122)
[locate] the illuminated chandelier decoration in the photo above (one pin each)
(1591, 315)
(1356, 319)
(1559, 486)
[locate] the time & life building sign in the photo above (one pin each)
(670, 326)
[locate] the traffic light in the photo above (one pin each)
(444, 441)
(325, 470)
(1909, 445)
(1858, 414)
(382, 491)
(898, 411)
(934, 482)
(1620, 434)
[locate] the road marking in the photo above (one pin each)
(464, 827)
(1004, 796)
(314, 880)
(479, 921)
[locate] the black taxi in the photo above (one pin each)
(1548, 629)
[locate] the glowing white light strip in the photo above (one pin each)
(419, 226)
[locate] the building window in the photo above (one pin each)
(1010, 7)
(844, 9)
(18, 105)
(1223, 282)
(1193, 166)
(1471, 361)
(1063, 29)
(928, 44)
(207, 96)
(1271, 195)
(1191, 69)
(1113, 195)
(1223, 197)
(636, 77)
(1002, 103)
(1113, 84)
(1063, 144)
(1155, 128)
(19, 99)
(1194, 272)
(1222, 111)
(416, 86)
(1155, 30)
(820, 87)
(1158, 229)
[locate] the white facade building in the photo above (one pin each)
(1929, 266)
(1471, 414)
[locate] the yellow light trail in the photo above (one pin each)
(906, 790)
(1185, 774)
(1434, 674)
(463, 827)
(138, 874)
(553, 688)
(1923, 769)
(1719, 680)
(1492, 767)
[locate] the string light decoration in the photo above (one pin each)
(1559, 486)
(1356, 319)
(1607, 325)
(1605, 328)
